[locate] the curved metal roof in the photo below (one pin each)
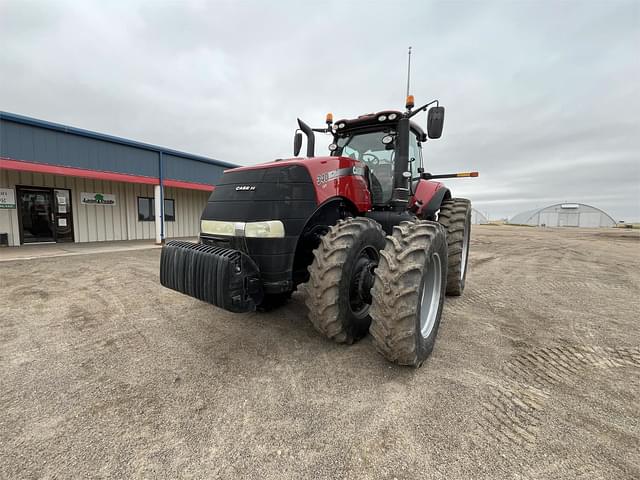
(524, 217)
(477, 217)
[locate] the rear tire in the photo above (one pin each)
(338, 293)
(455, 217)
(409, 292)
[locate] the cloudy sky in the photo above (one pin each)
(543, 98)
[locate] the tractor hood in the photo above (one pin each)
(315, 178)
(281, 162)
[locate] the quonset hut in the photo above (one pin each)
(565, 215)
(477, 218)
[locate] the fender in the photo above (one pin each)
(427, 198)
(327, 214)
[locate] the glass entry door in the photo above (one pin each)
(45, 215)
(36, 214)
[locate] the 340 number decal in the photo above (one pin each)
(343, 172)
(326, 176)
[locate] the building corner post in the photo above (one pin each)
(157, 197)
(158, 194)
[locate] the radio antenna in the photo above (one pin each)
(409, 72)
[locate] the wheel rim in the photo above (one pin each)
(362, 280)
(465, 250)
(430, 298)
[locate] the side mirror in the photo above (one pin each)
(435, 122)
(297, 143)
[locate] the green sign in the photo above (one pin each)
(97, 199)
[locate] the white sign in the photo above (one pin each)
(7, 198)
(97, 199)
(62, 222)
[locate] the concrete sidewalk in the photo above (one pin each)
(47, 250)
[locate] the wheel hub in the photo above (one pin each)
(362, 280)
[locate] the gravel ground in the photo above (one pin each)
(536, 374)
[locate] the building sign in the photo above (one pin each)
(7, 198)
(97, 198)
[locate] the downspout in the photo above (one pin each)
(160, 177)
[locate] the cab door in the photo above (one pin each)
(415, 160)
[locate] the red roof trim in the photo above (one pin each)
(188, 185)
(22, 166)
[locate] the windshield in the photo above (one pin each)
(369, 149)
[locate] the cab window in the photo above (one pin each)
(379, 157)
(415, 155)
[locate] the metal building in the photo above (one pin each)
(477, 218)
(565, 215)
(64, 184)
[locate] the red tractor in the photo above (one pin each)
(372, 240)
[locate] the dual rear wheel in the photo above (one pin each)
(338, 293)
(393, 287)
(409, 292)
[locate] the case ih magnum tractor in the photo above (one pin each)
(372, 240)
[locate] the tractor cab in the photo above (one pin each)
(389, 143)
(373, 140)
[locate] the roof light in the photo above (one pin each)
(341, 125)
(329, 119)
(382, 118)
(410, 101)
(393, 116)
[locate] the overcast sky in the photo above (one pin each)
(543, 98)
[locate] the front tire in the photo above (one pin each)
(409, 292)
(338, 293)
(455, 217)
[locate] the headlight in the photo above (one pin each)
(214, 227)
(270, 229)
(267, 229)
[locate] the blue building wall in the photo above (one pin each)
(32, 140)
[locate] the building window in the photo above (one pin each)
(147, 210)
(169, 210)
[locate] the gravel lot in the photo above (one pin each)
(536, 374)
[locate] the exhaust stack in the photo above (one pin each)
(311, 138)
